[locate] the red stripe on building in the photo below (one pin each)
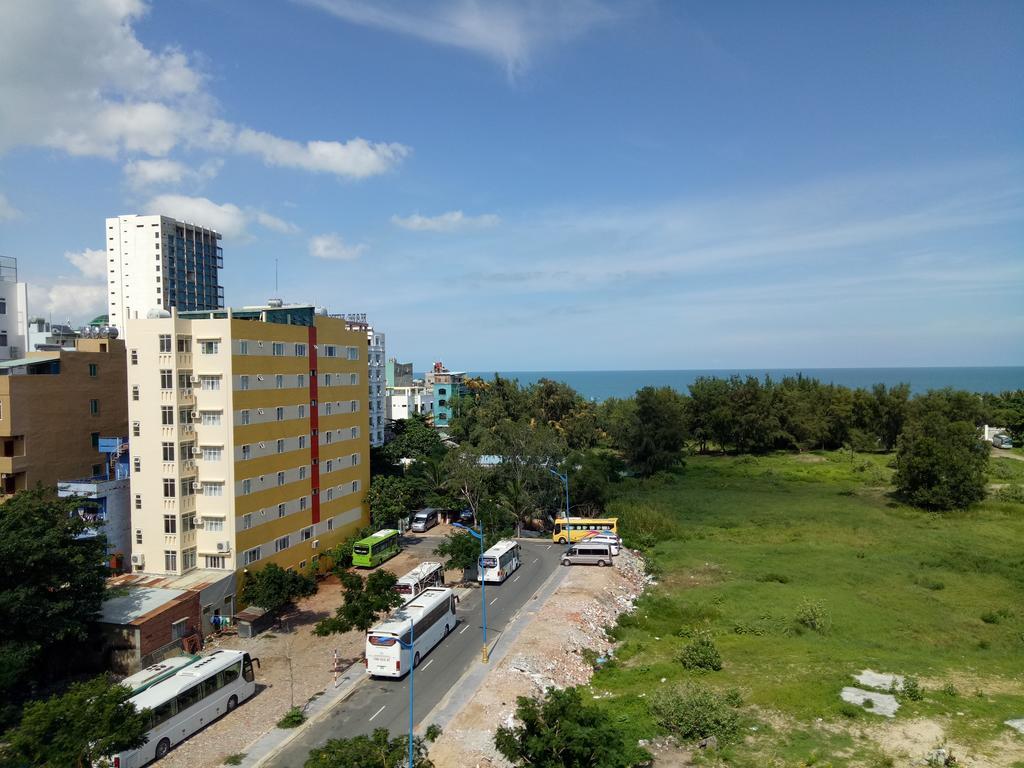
(314, 426)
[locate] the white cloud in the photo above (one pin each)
(275, 224)
(509, 33)
(90, 262)
(452, 221)
(73, 76)
(331, 246)
(227, 218)
(140, 174)
(7, 211)
(69, 300)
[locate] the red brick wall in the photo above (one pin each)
(155, 629)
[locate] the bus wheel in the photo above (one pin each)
(601, 563)
(232, 703)
(561, 540)
(163, 748)
(566, 562)
(416, 660)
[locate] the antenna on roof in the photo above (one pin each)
(276, 291)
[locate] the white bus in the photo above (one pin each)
(158, 672)
(189, 700)
(430, 616)
(499, 561)
(419, 578)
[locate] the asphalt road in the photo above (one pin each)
(384, 703)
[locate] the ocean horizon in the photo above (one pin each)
(600, 385)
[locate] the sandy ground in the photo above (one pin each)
(280, 683)
(546, 653)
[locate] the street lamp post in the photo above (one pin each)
(484, 655)
(565, 481)
(412, 679)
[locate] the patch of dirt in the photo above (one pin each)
(967, 684)
(908, 743)
(810, 458)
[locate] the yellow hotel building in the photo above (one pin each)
(248, 439)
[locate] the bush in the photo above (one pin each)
(813, 615)
(995, 617)
(701, 654)
(235, 759)
(1011, 493)
(293, 718)
(778, 578)
(693, 712)
(910, 690)
(950, 690)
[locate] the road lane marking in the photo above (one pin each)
(464, 629)
(377, 713)
(428, 664)
(534, 561)
(490, 603)
(517, 578)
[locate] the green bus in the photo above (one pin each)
(374, 550)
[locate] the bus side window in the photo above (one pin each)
(229, 675)
(247, 670)
(187, 698)
(164, 712)
(209, 686)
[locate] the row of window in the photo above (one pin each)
(251, 519)
(282, 543)
(282, 477)
(245, 381)
(281, 445)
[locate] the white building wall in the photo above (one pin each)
(376, 360)
(13, 320)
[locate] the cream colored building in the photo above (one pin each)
(248, 437)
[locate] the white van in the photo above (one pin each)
(424, 520)
(585, 553)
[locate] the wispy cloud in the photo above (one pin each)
(508, 33)
(332, 247)
(452, 221)
(232, 221)
(7, 211)
(164, 172)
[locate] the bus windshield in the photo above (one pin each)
(489, 562)
(361, 549)
(403, 589)
(381, 640)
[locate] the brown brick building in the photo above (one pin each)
(54, 406)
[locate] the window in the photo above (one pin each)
(188, 559)
(282, 544)
(171, 564)
(330, 494)
(353, 353)
(244, 417)
(251, 556)
(302, 411)
(243, 347)
(246, 487)
(213, 489)
(327, 407)
(167, 415)
(355, 459)
(137, 464)
(302, 442)
(279, 381)
(166, 378)
(330, 466)
(138, 535)
(302, 503)
(328, 437)
(93, 369)
(188, 522)
(184, 344)
(353, 378)
(281, 510)
(353, 406)
(170, 524)
(135, 393)
(168, 451)
(243, 382)
(280, 446)
(135, 357)
(138, 502)
(186, 486)
(279, 413)
(211, 418)
(169, 484)
(212, 453)
(136, 429)
(214, 524)
(3, 306)
(330, 350)
(247, 521)
(300, 380)
(209, 347)
(327, 379)
(214, 561)
(165, 341)
(277, 349)
(210, 383)
(185, 416)
(355, 486)
(280, 478)
(302, 473)
(330, 524)
(300, 350)
(354, 432)
(246, 452)
(307, 533)
(94, 407)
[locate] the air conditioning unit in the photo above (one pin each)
(259, 411)
(259, 377)
(199, 519)
(263, 445)
(197, 486)
(195, 379)
(197, 451)
(223, 546)
(195, 416)
(139, 559)
(259, 343)
(316, 543)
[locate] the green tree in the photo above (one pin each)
(389, 499)
(414, 439)
(460, 550)
(562, 730)
(655, 436)
(51, 589)
(273, 588)
(364, 602)
(889, 412)
(376, 751)
(467, 479)
(940, 464)
(80, 728)
(429, 473)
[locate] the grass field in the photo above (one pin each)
(742, 546)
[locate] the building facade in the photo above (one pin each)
(248, 437)
(13, 311)
(443, 385)
(376, 379)
(156, 263)
(54, 407)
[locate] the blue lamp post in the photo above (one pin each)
(412, 679)
(483, 582)
(565, 481)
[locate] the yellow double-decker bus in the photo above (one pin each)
(575, 528)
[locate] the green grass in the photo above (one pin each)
(805, 570)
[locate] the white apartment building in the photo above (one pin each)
(156, 263)
(404, 402)
(13, 311)
(377, 388)
(247, 437)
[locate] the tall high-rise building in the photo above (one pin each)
(248, 437)
(13, 311)
(156, 263)
(376, 379)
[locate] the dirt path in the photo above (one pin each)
(546, 653)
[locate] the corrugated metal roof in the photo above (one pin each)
(136, 604)
(29, 360)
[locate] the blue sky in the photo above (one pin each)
(545, 185)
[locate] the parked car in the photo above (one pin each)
(588, 553)
(604, 537)
(424, 519)
(466, 517)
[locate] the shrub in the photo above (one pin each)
(950, 690)
(813, 615)
(701, 653)
(694, 712)
(850, 711)
(293, 718)
(911, 689)
(1011, 493)
(778, 578)
(235, 759)
(995, 617)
